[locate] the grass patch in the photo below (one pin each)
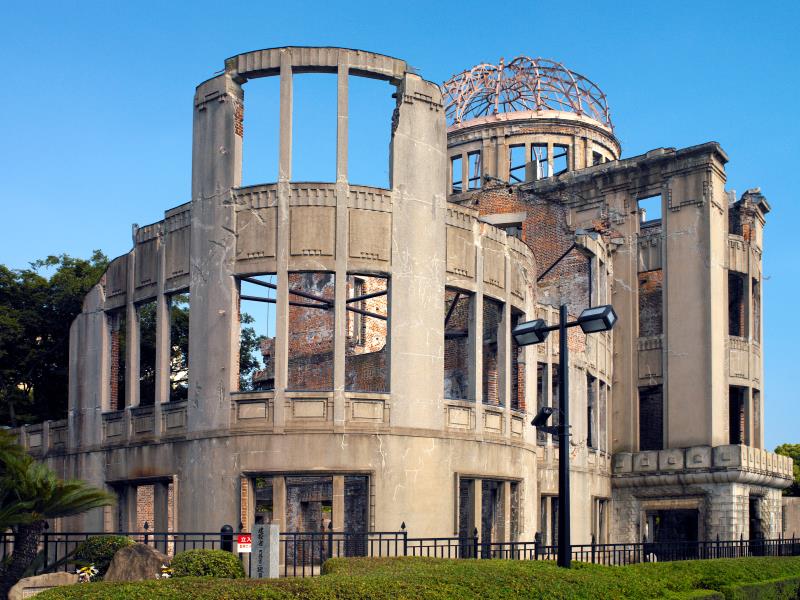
(440, 579)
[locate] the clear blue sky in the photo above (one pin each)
(96, 107)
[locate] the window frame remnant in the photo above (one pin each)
(118, 359)
(147, 313)
(487, 353)
(457, 343)
(271, 298)
(514, 165)
(305, 300)
(362, 309)
(560, 151)
(178, 352)
(651, 435)
(650, 209)
(737, 304)
(475, 170)
(456, 174)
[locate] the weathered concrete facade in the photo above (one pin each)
(391, 389)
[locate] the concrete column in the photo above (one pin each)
(128, 508)
(161, 506)
(279, 501)
(419, 172)
(550, 164)
(504, 363)
(282, 293)
(342, 237)
(216, 169)
(476, 347)
(131, 339)
(506, 499)
(464, 171)
(163, 327)
(624, 415)
(338, 503)
(477, 508)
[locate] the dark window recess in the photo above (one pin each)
(179, 347)
(118, 359)
(146, 314)
(651, 303)
(492, 320)
(737, 402)
(651, 418)
(737, 315)
(756, 292)
(457, 318)
(597, 158)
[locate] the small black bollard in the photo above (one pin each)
(226, 538)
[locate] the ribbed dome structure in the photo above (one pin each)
(523, 84)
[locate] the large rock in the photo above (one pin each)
(30, 586)
(135, 563)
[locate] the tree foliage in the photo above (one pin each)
(30, 494)
(36, 312)
(793, 452)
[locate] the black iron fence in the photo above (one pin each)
(303, 553)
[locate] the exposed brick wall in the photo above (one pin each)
(492, 314)
(144, 507)
(311, 333)
(651, 303)
(365, 350)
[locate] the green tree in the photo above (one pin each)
(249, 352)
(30, 494)
(793, 452)
(36, 312)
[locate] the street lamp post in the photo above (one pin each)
(591, 320)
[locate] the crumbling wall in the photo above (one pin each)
(651, 303)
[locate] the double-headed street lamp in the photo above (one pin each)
(591, 320)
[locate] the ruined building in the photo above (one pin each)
(386, 386)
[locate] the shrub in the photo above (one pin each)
(99, 550)
(207, 563)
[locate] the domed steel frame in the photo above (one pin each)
(523, 84)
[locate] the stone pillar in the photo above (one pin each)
(338, 503)
(506, 499)
(163, 349)
(419, 172)
(279, 501)
(216, 169)
(477, 508)
(342, 236)
(131, 337)
(161, 506)
(128, 508)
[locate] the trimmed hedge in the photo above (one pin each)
(99, 550)
(774, 589)
(207, 563)
(439, 579)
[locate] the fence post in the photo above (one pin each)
(405, 538)
(330, 540)
(475, 541)
(226, 538)
(537, 542)
(741, 545)
(594, 548)
(146, 529)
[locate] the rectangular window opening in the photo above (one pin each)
(369, 130)
(541, 397)
(737, 310)
(591, 411)
(737, 411)
(366, 350)
(311, 331)
(179, 347)
(649, 209)
(475, 171)
(517, 366)
(516, 164)
(560, 159)
(146, 314)
(651, 418)
(260, 130)
(257, 297)
(314, 127)
(756, 293)
(597, 158)
(456, 175)
(118, 359)
(457, 327)
(651, 303)
(539, 158)
(492, 322)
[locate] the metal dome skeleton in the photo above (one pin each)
(523, 84)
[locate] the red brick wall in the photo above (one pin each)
(651, 303)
